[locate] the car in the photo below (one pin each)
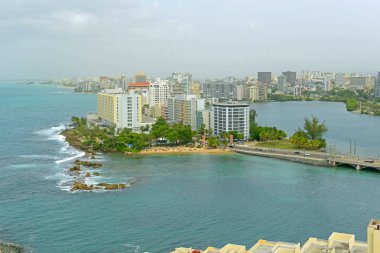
(369, 160)
(297, 152)
(307, 154)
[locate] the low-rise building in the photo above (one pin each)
(336, 243)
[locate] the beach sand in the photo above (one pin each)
(184, 150)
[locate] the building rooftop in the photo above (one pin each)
(231, 104)
(139, 85)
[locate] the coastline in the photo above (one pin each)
(184, 150)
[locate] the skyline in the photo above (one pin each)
(52, 39)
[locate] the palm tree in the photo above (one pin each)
(314, 130)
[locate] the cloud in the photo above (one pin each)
(74, 18)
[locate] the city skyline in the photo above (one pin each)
(52, 39)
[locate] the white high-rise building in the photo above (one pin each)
(158, 93)
(226, 117)
(124, 110)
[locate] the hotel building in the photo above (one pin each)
(124, 110)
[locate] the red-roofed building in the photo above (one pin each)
(138, 85)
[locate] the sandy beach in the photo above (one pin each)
(184, 150)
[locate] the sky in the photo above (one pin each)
(209, 38)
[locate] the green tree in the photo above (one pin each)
(202, 129)
(213, 142)
(159, 128)
(299, 138)
(313, 129)
(172, 136)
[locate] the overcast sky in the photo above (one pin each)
(210, 38)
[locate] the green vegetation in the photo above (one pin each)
(352, 104)
(281, 144)
(259, 133)
(213, 142)
(283, 98)
(106, 140)
(311, 137)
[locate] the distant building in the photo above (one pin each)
(226, 117)
(183, 108)
(340, 80)
(357, 82)
(281, 83)
(258, 92)
(377, 85)
(124, 110)
(297, 90)
(140, 77)
(264, 77)
(218, 89)
(291, 77)
(158, 93)
(203, 117)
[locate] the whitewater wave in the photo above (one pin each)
(51, 132)
(47, 157)
(135, 248)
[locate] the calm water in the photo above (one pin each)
(191, 200)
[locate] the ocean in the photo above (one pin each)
(171, 200)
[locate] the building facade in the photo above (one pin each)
(336, 243)
(291, 77)
(158, 93)
(377, 85)
(124, 110)
(183, 108)
(226, 117)
(264, 77)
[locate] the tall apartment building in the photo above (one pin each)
(158, 93)
(281, 83)
(219, 89)
(290, 77)
(183, 108)
(258, 92)
(226, 117)
(124, 110)
(377, 85)
(264, 77)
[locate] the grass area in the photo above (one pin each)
(282, 144)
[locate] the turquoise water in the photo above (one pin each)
(189, 200)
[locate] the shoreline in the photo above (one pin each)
(74, 142)
(184, 150)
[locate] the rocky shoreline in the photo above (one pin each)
(79, 182)
(10, 248)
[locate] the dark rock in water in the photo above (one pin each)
(75, 168)
(96, 173)
(10, 248)
(93, 157)
(88, 174)
(121, 186)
